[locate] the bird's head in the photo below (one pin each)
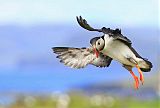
(98, 44)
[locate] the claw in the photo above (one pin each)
(141, 74)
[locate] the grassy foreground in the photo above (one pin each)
(82, 101)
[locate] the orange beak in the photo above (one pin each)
(95, 51)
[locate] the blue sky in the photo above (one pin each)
(123, 12)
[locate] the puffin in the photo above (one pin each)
(119, 48)
(102, 50)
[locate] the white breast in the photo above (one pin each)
(118, 50)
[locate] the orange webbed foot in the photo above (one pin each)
(136, 83)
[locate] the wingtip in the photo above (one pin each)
(77, 17)
(53, 48)
(81, 18)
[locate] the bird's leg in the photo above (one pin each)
(136, 85)
(141, 74)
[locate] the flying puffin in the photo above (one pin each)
(111, 46)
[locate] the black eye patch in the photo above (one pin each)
(93, 40)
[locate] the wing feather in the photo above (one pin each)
(80, 57)
(124, 39)
(117, 35)
(74, 57)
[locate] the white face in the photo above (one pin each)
(100, 44)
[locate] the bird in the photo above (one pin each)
(118, 47)
(112, 45)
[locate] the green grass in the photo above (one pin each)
(82, 101)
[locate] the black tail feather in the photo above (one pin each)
(147, 69)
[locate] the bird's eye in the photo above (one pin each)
(99, 43)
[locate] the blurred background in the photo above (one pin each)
(32, 77)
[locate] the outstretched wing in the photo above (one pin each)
(83, 23)
(116, 33)
(80, 57)
(74, 57)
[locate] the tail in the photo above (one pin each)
(145, 65)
